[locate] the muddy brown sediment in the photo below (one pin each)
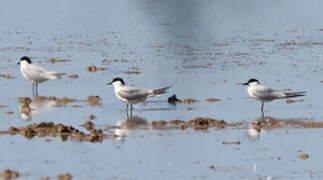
(6, 76)
(211, 100)
(94, 100)
(57, 60)
(303, 156)
(88, 125)
(91, 117)
(133, 72)
(177, 122)
(188, 101)
(9, 112)
(272, 123)
(95, 69)
(45, 129)
(199, 123)
(231, 142)
(65, 100)
(291, 101)
(157, 124)
(203, 123)
(66, 176)
(73, 76)
(9, 174)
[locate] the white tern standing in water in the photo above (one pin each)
(36, 74)
(266, 94)
(132, 95)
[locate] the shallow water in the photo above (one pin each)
(204, 49)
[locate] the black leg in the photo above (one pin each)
(33, 89)
(36, 89)
(131, 108)
(262, 111)
(127, 114)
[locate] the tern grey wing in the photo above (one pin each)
(278, 94)
(267, 94)
(131, 93)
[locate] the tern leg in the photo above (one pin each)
(131, 108)
(36, 89)
(33, 89)
(262, 110)
(127, 107)
(127, 114)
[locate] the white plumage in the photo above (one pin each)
(133, 95)
(266, 94)
(36, 74)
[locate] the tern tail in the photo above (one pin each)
(57, 75)
(294, 94)
(160, 91)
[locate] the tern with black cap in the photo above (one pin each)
(36, 74)
(133, 95)
(265, 94)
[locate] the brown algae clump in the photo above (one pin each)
(211, 100)
(189, 101)
(95, 69)
(303, 156)
(96, 135)
(231, 142)
(132, 72)
(57, 60)
(9, 112)
(91, 117)
(24, 100)
(94, 100)
(45, 129)
(157, 124)
(6, 76)
(9, 174)
(202, 123)
(211, 167)
(197, 123)
(88, 125)
(66, 176)
(291, 101)
(73, 76)
(66, 100)
(177, 122)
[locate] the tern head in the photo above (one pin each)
(25, 59)
(116, 81)
(251, 82)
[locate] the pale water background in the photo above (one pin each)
(202, 48)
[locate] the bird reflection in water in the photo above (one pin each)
(34, 106)
(255, 132)
(259, 127)
(128, 125)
